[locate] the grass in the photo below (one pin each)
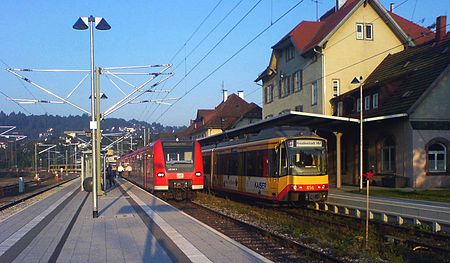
(270, 219)
(441, 195)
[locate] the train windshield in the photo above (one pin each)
(179, 154)
(306, 157)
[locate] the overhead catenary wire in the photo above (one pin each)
(18, 79)
(212, 49)
(195, 48)
(232, 56)
(339, 70)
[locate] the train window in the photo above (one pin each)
(283, 161)
(254, 165)
(272, 162)
(306, 161)
(207, 164)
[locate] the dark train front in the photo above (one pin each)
(171, 169)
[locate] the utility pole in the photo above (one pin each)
(98, 132)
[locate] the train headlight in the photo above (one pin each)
(294, 187)
(160, 174)
(198, 174)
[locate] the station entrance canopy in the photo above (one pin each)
(313, 121)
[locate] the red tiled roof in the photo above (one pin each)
(308, 34)
(329, 21)
(223, 116)
(418, 33)
(301, 35)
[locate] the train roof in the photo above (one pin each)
(265, 134)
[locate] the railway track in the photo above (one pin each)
(10, 201)
(414, 242)
(272, 246)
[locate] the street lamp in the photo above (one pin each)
(84, 23)
(360, 82)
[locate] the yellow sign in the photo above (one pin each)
(110, 152)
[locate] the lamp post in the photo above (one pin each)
(360, 82)
(84, 23)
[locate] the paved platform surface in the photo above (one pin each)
(133, 226)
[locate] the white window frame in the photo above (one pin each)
(314, 93)
(435, 154)
(391, 158)
(367, 102)
(371, 31)
(375, 101)
(298, 80)
(358, 104)
(335, 84)
(269, 94)
(359, 31)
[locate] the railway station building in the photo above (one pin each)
(403, 70)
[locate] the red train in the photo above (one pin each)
(170, 169)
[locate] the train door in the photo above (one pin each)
(274, 171)
(150, 177)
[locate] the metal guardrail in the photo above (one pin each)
(385, 216)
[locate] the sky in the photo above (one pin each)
(208, 42)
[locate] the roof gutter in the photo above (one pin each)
(387, 117)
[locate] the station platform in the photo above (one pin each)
(133, 226)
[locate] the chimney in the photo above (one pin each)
(339, 4)
(391, 7)
(225, 95)
(441, 29)
(241, 94)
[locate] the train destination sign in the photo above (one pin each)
(305, 143)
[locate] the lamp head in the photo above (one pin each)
(103, 25)
(356, 80)
(80, 24)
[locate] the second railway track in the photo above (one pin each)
(274, 247)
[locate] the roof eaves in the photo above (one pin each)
(343, 20)
(396, 27)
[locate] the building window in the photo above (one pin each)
(299, 108)
(269, 94)
(437, 158)
(340, 108)
(369, 31)
(359, 31)
(292, 83)
(290, 53)
(375, 101)
(388, 155)
(367, 102)
(358, 105)
(314, 93)
(335, 85)
(280, 84)
(364, 31)
(298, 82)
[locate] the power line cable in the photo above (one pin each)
(339, 70)
(185, 43)
(208, 53)
(235, 54)
(4, 63)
